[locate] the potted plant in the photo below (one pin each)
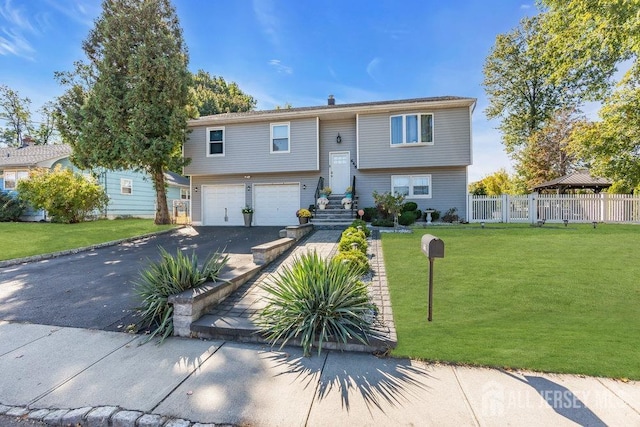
(326, 191)
(322, 202)
(247, 212)
(346, 202)
(303, 215)
(348, 193)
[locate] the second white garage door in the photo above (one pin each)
(276, 204)
(222, 204)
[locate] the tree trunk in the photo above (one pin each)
(162, 211)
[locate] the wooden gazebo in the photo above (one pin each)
(579, 180)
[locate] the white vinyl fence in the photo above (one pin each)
(555, 208)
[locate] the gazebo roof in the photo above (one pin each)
(575, 180)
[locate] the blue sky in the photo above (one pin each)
(292, 51)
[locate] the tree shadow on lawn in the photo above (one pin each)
(378, 382)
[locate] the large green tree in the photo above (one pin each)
(611, 146)
(517, 85)
(128, 107)
(589, 41)
(213, 95)
(547, 155)
(14, 111)
(495, 184)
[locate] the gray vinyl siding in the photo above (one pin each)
(247, 149)
(307, 180)
(451, 135)
(448, 187)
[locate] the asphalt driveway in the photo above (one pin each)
(94, 289)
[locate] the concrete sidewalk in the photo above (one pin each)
(69, 376)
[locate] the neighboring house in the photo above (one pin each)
(130, 193)
(273, 160)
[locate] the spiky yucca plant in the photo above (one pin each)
(316, 300)
(168, 276)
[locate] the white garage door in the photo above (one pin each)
(222, 204)
(276, 204)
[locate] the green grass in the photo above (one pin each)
(22, 239)
(550, 299)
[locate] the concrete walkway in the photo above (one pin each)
(236, 317)
(66, 376)
(69, 376)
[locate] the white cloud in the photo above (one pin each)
(372, 67)
(280, 67)
(14, 16)
(266, 16)
(525, 6)
(14, 43)
(81, 11)
(13, 26)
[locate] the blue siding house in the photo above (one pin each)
(131, 194)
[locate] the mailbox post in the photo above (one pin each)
(432, 247)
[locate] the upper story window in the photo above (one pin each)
(280, 138)
(412, 186)
(126, 186)
(412, 129)
(215, 142)
(11, 178)
(185, 194)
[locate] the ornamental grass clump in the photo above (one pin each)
(316, 300)
(169, 276)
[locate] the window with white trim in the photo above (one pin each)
(412, 186)
(185, 194)
(126, 186)
(215, 142)
(11, 178)
(411, 129)
(280, 138)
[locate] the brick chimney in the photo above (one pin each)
(331, 100)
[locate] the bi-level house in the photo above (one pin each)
(274, 160)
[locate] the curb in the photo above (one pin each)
(98, 416)
(35, 258)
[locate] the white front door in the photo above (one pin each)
(339, 169)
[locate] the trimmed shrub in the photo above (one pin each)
(360, 223)
(418, 214)
(407, 218)
(167, 277)
(370, 214)
(317, 299)
(409, 207)
(11, 207)
(346, 241)
(352, 231)
(382, 223)
(355, 259)
(67, 196)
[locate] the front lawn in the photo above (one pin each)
(22, 239)
(550, 299)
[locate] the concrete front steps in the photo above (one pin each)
(335, 215)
